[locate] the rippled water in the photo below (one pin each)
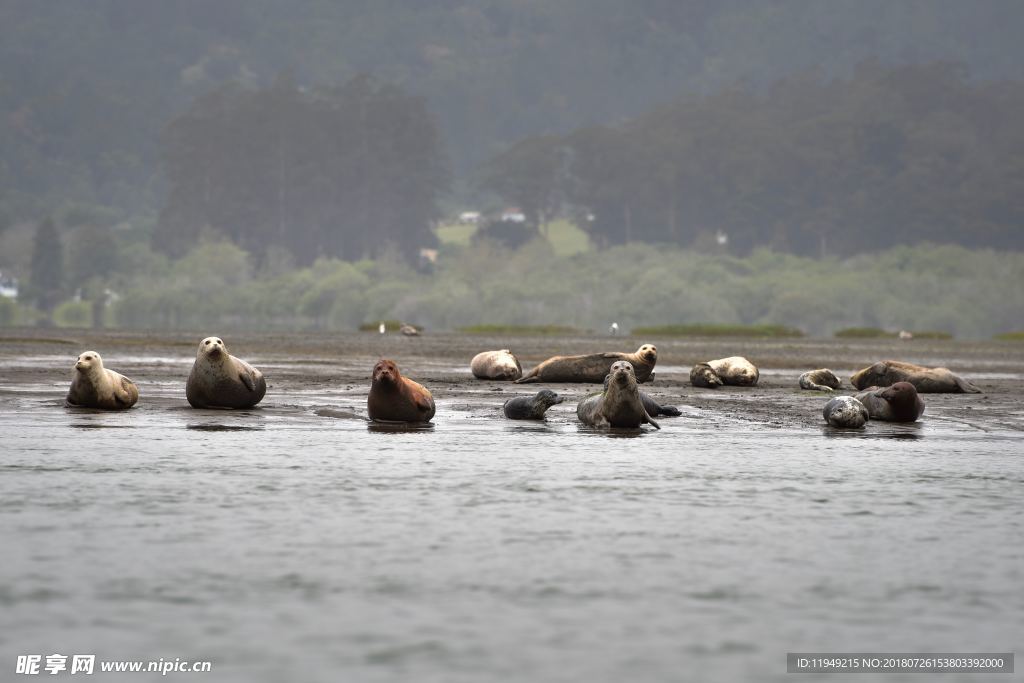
(284, 545)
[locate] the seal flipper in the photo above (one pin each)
(966, 386)
(122, 393)
(529, 379)
(670, 411)
(651, 421)
(246, 378)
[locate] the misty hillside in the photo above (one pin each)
(87, 88)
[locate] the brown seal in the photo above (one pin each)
(593, 367)
(219, 380)
(925, 380)
(896, 403)
(93, 386)
(619, 405)
(501, 365)
(394, 398)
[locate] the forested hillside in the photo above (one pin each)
(87, 87)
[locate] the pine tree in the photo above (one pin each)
(47, 264)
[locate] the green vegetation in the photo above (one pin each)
(717, 330)
(1010, 336)
(389, 326)
(565, 238)
(931, 334)
(218, 285)
(524, 330)
(863, 333)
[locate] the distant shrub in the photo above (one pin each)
(389, 326)
(519, 329)
(1010, 336)
(863, 333)
(716, 330)
(511, 234)
(8, 312)
(73, 314)
(931, 334)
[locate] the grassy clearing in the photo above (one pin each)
(1010, 336)
(716, 330)
(878, 333)
(565, 238)
(538, 330)
(389, 326)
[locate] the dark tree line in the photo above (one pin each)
(890, 155)
(347, 172)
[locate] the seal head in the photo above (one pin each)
(845, 412)
(897, 403)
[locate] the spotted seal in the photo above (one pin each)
(93, 386)
(925, 380)
(619, 405)
(653, 408)
(845, 412)
(394, 398)
(500, 365)
(531, 407)
(821, 379)
(593, 367)
(896, 403)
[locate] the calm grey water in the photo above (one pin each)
(284, 546)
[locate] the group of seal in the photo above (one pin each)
(889, 389)
(217, 380)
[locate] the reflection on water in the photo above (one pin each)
(224, 428)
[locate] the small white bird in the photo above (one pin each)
(906, 335)
(614, 329)
(383, 328)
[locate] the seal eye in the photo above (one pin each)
(207, 342)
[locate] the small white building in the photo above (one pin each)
(8, 286)
(469, 217)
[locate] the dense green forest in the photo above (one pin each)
(87, 87)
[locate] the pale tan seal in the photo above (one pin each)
(93, 386)
(394, 398)
(593, 367)
(734, 370)
(925, 380)
(219, 380)
(619, 405)
(501, 365)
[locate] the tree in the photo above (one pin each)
(47, 272)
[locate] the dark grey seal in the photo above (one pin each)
(653, 408)
(531, 407)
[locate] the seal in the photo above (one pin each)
(93, 386)
(619, 405)
(701, 375)
(500, 365)
(925, 380)
(593, 367)
(653, 408)
(734, 370)
(219, 380)
(845, 412)
(394, 398)
(896, 403)
(821, 379)
(531, 407)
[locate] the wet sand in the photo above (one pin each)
(327, 375)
